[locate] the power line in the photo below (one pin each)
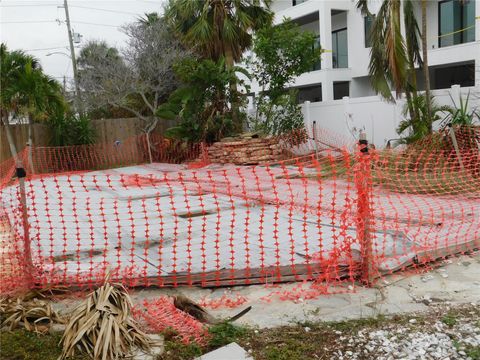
(25, 5)
(50, 48)
(106, 10)
(75, 6)
(97, 24)
(54, 21)
(28, 22)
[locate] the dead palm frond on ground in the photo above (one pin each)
(190, 307)
(32, 314)
(102, 326)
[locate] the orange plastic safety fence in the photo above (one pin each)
(329, 214)
(160, 315)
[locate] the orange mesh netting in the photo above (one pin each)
(331, 212)
(160, 315)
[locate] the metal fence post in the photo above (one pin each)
(21, 174)
(363, 184)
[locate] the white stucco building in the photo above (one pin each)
(454, 59)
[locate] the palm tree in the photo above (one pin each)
(12, 64)
(393, 57)
(414, 57)
(149, 18)
(425, 60)
(39, 97)
(219, 29)
(26, 91)
(421, 126)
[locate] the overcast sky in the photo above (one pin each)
(32, 26)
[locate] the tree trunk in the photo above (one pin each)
(11, 143)
(425, 64)
(30, 143)
(411, 107)
(238, 125)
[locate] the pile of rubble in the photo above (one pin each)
(246, 149)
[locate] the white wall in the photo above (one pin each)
(279, 5)
(377, 118)
(361, 86)
(356, 37)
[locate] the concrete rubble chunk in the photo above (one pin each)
(232, 351)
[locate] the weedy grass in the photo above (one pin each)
(21, 344)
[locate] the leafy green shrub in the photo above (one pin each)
(69, 129)
(277, 117)
(461, 115)
(412, 130)
(282, 52)
(203, 103)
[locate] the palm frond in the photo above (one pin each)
(412, 33)
(32, 314)
(388, 59)
(102, 326)
(362, 5)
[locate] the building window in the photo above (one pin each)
(298, 2)
(367, 27)
(318, 64)
(456, 23)
(340, 48)
(463, 75)
(341, 89)
(309, 93)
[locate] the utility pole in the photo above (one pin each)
(74, 61)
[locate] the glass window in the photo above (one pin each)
(463, 75)
(456, 22)
(368, 23)
(340, 48)
(341, 89)
(468, 16)
(310, 93)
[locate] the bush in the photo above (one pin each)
(277, 117)
(203, 104)
(69, 129)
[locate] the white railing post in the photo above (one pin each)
(455, 92)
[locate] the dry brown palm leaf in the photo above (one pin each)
(187, 305)
(33, 314)
(102, 326)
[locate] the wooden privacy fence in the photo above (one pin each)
(107, 131)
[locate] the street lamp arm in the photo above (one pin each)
(58, 53)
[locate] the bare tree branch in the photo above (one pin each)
(139, 77)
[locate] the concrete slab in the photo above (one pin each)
(231, 351)
(243, 218)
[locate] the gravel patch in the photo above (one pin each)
(447, 337)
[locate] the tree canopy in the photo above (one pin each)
(26, 90)
(218, 29)
(137, 78)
